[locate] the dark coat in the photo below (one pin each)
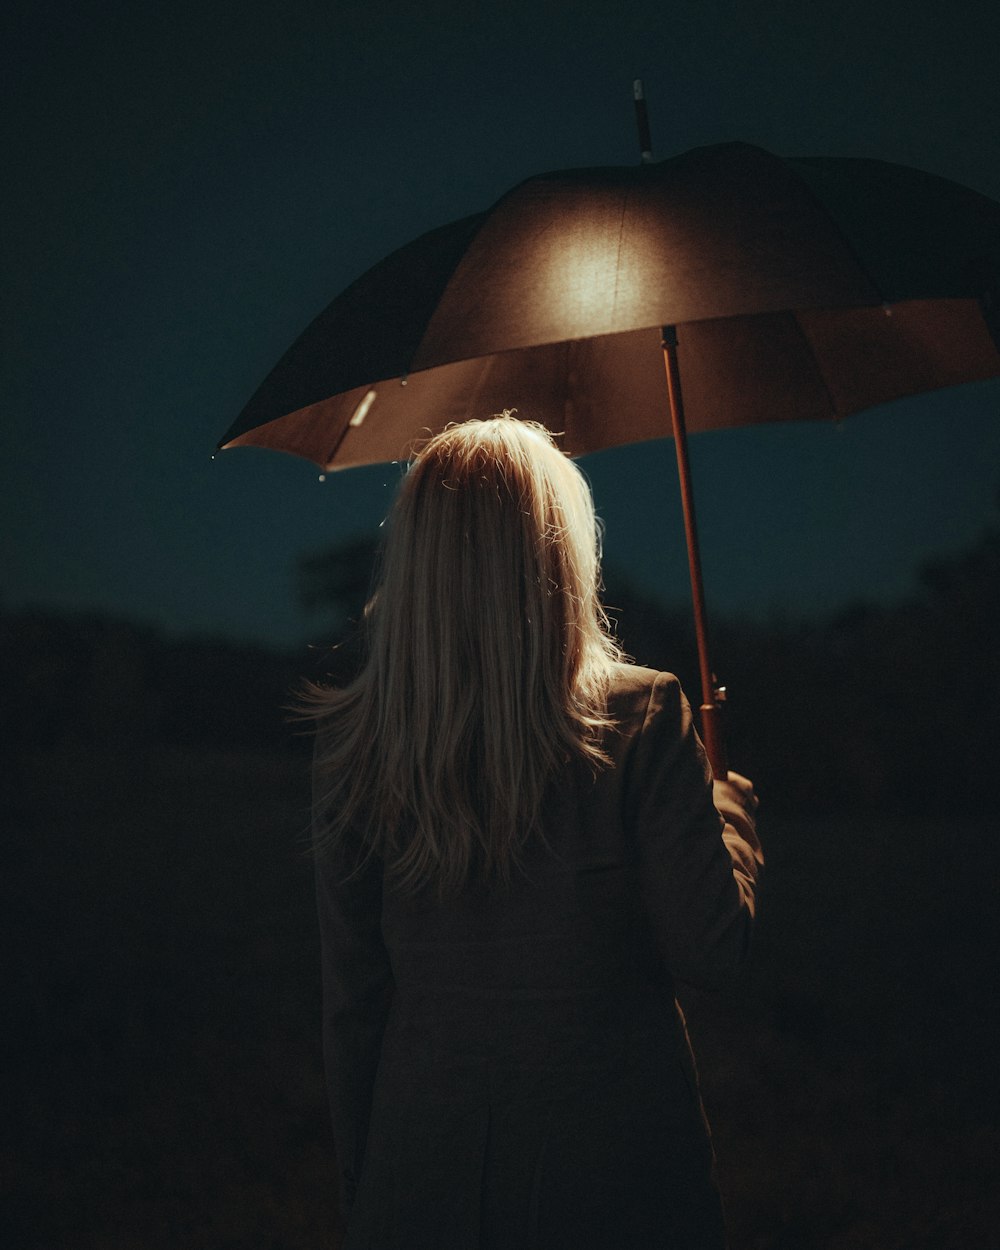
(510, 1070)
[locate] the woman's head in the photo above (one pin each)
(489, 657)
(493, 553)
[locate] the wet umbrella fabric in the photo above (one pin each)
(806, 288)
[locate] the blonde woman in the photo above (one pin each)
(518, 855)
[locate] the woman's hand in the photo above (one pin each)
(736, 802)
(735, 789)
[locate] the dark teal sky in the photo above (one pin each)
(189, 185)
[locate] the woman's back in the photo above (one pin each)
(534, 1086)
(517, 853)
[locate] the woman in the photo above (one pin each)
(517, 856)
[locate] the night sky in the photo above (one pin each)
(187, 186)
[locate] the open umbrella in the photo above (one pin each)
(775, 288)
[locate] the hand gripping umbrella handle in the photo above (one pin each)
(712, 695)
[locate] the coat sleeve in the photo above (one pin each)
(699, 866)
(357, 992)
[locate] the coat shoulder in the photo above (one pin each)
(634, 689)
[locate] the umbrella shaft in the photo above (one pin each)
(711, 727)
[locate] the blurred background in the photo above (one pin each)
(188, 187)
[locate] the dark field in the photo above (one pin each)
(162, 1019)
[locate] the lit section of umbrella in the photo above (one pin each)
(777, 289)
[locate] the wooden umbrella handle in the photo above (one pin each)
(711, 694)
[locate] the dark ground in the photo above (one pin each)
(163, 1019)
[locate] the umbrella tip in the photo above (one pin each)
(642, 122)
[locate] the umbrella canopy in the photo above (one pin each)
(803, 288)
(777, 289)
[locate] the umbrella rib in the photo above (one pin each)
(862, 268)
(835, 413)
(618, 256)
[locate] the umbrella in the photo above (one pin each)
(775, 289)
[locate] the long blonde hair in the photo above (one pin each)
(488, 666)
